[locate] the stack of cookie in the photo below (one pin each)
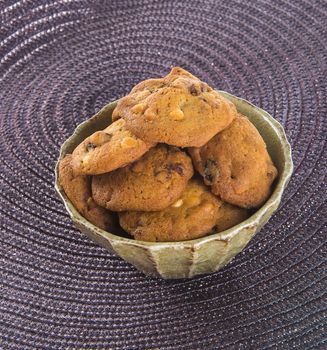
(177, 163)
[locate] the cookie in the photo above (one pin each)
(192, 216)
(151, 183)
(78, 190)
(229, 215)
(107, 150)
(178, 109)
(236, 164)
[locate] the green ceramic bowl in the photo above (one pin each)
(200, 256)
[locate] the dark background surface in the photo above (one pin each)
(60, 61)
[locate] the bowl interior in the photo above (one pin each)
(269, 128)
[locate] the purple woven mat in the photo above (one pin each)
(60, 61)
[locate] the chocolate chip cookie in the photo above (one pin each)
(191, 216)
(236, 164)
(178, 109)
(107, 150)
(78, 190)
(151, 183)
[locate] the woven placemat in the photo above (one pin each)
(60, 61)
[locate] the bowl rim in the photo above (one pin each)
(254, 220)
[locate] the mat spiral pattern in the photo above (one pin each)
(60, 61)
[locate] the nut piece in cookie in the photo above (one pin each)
(229, 215)
(78, 190)
(178, 109)
(107, 150)
(151, 183)
(191, 216)
(236, 164)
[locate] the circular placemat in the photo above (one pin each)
(60, 61)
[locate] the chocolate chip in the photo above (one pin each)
(90, 146)
(210, 170)
(193, 90)
(207, 174)
(180, 170)
(177, 167)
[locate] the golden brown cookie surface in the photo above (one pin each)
(78, 190)
(178, 110)
(108, 149)
(229, 215)
(236, 164)
(151, 183)
(192, 216)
